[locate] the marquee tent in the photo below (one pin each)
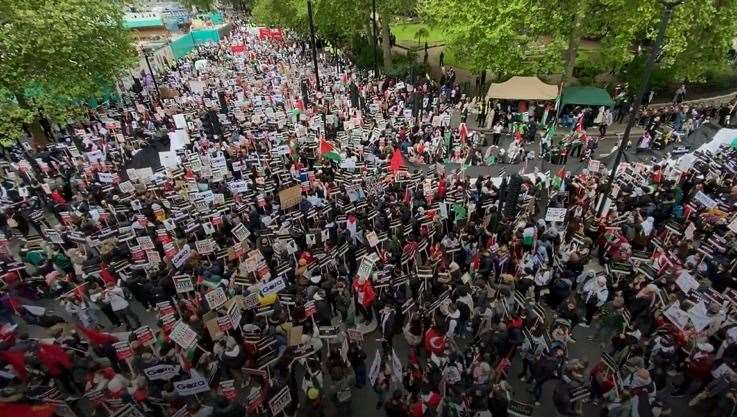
(522, 88)
(586, 96)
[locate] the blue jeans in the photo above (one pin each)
(360, 372)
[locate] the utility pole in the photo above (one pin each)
(668, 6)
(153, 76)
(314, 45)
(375, 40)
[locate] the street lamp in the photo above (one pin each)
(375, 42)
(668, 6)
(150, 71)
(314, 46)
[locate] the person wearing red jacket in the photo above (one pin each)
(698, 370)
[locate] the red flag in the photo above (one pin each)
(54, 358)
(17, 361)
(26, 410)
(397, 161)
(79, 291)
(96, 338)
(106, 276)
(407, 196)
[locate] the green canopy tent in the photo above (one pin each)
(586, 96)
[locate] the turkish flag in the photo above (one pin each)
(26, 410)
(397, 161)
(95, 337)
(17, 361)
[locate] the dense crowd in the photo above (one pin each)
(292, 246)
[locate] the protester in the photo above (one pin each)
(265, 242)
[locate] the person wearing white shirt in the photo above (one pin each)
(114, 295)
(594, 294)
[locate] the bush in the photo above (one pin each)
(404, 67)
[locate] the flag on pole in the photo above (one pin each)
(327, 151)
(397, 161)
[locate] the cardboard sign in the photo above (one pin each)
(228, 389)
(183, 284)
(355, 335)
(181, 257)
(145, 336)
(594, 165)
(290, 197)
(241, 232)
(234, 314)
(280, 401)
(161, 372)
(123, 350)
(372, 239)
(367, 265)
(704, 199)
(250, 301)
(183, 335)
(223, 323)
(555, 214)
(191, 386)
(216, 298)
(273, 286)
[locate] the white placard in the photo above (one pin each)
(705, 200)
(191, 386)
(273, 286)
(183, 284)
(183, 335)
(105, 177)
(367, 265)
(280, 401)
(216, 298)
(181, 257)
(161, 372)
(555, 214)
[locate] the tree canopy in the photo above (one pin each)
(55, 54)
(530, 36)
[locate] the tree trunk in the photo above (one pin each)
(38, 136)
(386, 41)
(574, 41)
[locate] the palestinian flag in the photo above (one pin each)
(557, 181)
(327, 151)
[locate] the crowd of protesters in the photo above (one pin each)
(298, 245)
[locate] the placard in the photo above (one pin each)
(705, 200)
(161, 372)
(280, 401)
(241, 232)
(183, 335)
(183, 284)
(123, 350)
(290, 197)
(367, 265)
(216, 298)
(594, 165)
(191, 386)
(273, 286)
(145, 336)
(372, 238)
(250, 301)
(555, 214)
(181, 257)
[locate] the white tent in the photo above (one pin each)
(523, 88)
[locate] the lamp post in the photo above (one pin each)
(668, 6)
(150, 71)
(375, 39)
(314, 45)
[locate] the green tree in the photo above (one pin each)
(543, 36)
(200, 5)
(421, 33)
(288, 14)
(55, 54)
